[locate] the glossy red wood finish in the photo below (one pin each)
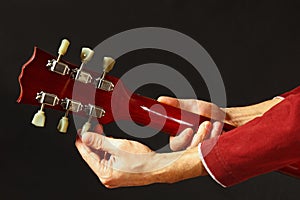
(172, 121)
(35, 77)
(291, 170)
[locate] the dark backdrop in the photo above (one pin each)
(255, 45)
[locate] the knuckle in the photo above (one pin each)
(106, 181)
(110, 182)
(109, 186)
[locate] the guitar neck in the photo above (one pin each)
(168, 119)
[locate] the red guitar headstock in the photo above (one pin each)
(47, 81)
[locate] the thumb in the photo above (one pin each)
(168, 100)
(184, 104)
(99, 142)
(182, 140)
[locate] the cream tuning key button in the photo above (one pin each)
(62, 50)
(87, 125)
(86, 54)
(39, 118)
(63, 124)
(108, 64)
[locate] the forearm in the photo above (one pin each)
(241, 115)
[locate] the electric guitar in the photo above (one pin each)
(48, 81)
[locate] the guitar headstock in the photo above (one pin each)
(50, 81)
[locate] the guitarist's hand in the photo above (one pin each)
(188, 139)
(121, 162)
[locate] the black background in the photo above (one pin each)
(255, 45)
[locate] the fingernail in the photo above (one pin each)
(159, 98)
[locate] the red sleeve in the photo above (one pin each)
(294, 91)
(262, 145)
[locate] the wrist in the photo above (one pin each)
(178, 166)
(239, 116)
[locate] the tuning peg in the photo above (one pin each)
(63, 124)
(86, 54)
(92, 111)
(62, 50)
(57, 66)
(44, 99)
(101, 83)
(80, 75)
(108, 64)
(68, 105)
(39, 118)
